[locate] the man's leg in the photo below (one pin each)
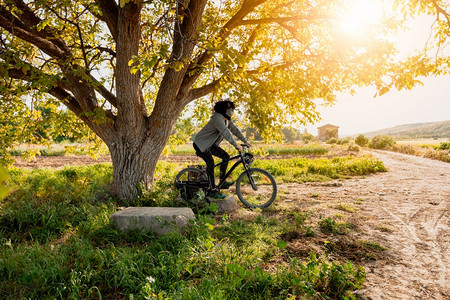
(219, 152)
(207, 157)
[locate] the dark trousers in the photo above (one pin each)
(207, 157)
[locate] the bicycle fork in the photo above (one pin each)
(252, 181)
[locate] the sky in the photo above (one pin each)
(362, 112)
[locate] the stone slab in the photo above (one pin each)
(160, 220)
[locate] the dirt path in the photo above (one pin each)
(406, 210)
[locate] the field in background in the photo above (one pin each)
(429, 148)
(422, 142)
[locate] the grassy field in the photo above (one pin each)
(56, 241)
(434, 149)
(422, 142)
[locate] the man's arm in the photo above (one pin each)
(237, 132)
(219, 123)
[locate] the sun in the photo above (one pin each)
(359, 15)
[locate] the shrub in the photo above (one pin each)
(332, 141)
(381, 142)
(444, 146)
(361, 140)
(353, 147)
(343, 141)
(308, 137)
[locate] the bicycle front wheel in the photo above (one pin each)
(256, 188)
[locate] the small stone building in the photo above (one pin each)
(327, 132)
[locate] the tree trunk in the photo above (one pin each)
(134, 157)
(133, 168)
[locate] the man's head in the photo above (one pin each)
(225, 108)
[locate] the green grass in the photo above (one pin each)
(56, 241)
(321, 169)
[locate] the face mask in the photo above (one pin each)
(229, 112)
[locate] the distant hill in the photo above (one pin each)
(416, 130)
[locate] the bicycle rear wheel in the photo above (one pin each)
(189, 181)
(257, 191)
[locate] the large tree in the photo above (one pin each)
(127, 69)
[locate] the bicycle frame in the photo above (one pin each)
(240, 161)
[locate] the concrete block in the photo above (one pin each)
(160, 220)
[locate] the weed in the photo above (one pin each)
(384, 228)
(355, 251)
(309, 232)
(345, 207)
(359, 201)
(328, 225)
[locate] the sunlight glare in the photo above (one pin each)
(359, 15)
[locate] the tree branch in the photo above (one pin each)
(57, 91)
(195, 67)
(440, 10)
(280, 19)
(110, 97)
(28, 17)
(16, 27)
(235, 21)
(202, 91)
(110, 14)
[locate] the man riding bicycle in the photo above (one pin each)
(206, 142)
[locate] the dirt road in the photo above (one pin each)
(406, 210)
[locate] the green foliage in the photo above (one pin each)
(330, 133)
(328, 225)
(291, 150)
(290, 134)
(353, 147)
(307, 137)
(45, 200)
(4, 190)
(444, 146)
(381, 142)
(332, 141)
(361, 140)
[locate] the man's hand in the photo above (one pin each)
(239, 148)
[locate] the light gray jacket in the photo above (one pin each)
(217, 129)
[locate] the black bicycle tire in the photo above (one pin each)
(187, 170)
(242, 199)
(183, 172)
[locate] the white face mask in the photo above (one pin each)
(229, 112)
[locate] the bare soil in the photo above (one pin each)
(405, 210)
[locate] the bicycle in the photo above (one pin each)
(255, 187)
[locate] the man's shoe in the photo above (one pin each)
(216, 195)
(226, 185)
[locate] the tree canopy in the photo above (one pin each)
(128, 68)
